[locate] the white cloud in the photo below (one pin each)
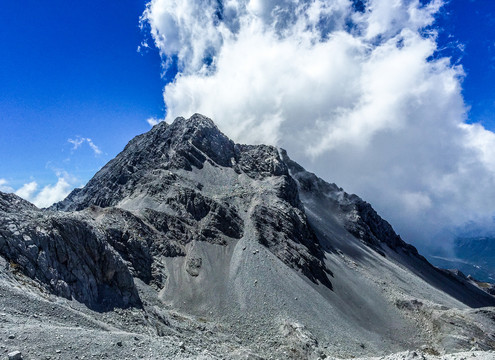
(27, 190)
(95, 148)
(78, 141)
(52, 193)
(144, 45)
(481, 141)
(356, 97)
(49, 194)
(153, 121)
(4, 187)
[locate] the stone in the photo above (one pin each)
(193, 266)
(14, 355)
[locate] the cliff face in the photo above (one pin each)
(188, 220)
(66, 252)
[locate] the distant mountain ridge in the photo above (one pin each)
(473, 255)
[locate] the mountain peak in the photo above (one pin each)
(164, 172)
(185, 144)
(195, 121)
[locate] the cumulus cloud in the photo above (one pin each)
(78, 141)
(52, 193)
(354, 90)
(27, 191)
(49, 194)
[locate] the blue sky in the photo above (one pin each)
(74, 90)
(72, 69)
(470, 26)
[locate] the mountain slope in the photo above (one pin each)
(360, 220)
(241, 239)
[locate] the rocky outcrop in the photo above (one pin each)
(364, 223)
(285, 231)
(67, 254)
(13, 203)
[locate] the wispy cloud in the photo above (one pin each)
(356, 96)
(78, 141)
(143, 46)
(95, 148)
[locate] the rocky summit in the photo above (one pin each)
(188, 245)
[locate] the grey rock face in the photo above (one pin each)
(285, 231)
(68, 254)
(182, 145)
(93, 255)
(363, 222)
(13, 203)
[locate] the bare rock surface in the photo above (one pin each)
(67, 254)
(189, 246)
